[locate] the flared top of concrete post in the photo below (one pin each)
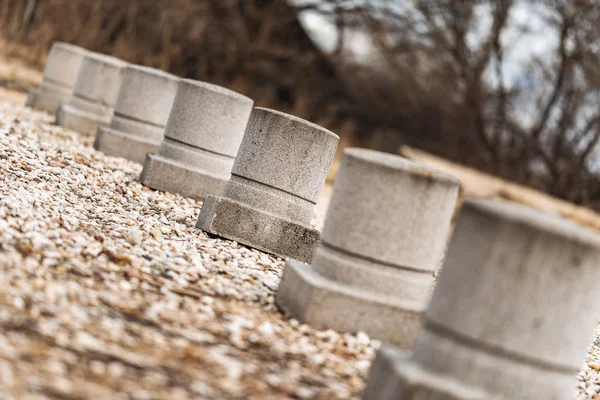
(521, 282)
(99, 79)
(209, 117)
(286, 153)
(146, 95)
(63, 64)
(390, 210)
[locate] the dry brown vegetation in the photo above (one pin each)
(256, 47)
(429, 84)
(442, 82)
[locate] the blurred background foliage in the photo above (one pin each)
(510, 87)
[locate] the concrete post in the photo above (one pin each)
(384, 237)
(141, 113)
(59, 78)
(278, 174)
(512, 315)
(202, 137)
(95, 95)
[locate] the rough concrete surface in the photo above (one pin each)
(95, 95)
(141, 113)
(276, 180)
(383, 240)
(513, 311)
(201, 140)
(60, 76)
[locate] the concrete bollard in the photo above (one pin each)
(95, 94)
(278, 174)
(141, 113)
(512, 315)
(59, 78)
(202, 137)
(384, 237)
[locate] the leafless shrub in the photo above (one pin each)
(256, 47)
(445, 80)
(441, 75)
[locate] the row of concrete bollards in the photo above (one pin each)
(516, 302)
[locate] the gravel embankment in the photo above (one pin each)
(107, 290)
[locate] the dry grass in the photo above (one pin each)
(15, 74)
(478, 184)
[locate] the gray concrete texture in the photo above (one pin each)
(384, 237)
(201, 139)
(95, 95)
(512, 315)
(279, 171)
(60, 76)
(141, 113)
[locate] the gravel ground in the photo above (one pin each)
(588, 386)
(107, 290)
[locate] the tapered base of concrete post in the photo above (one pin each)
(394, 377)
(511, 316)
(233, 220)
(507, 376)
(79, 121)
(114, 143)
(163, 174)
(47, 100)
(313, 297)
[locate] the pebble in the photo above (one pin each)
(133, 236)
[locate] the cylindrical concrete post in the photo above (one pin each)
(512, 315)
(60, 75)
(384, 237)
(276, 180)
(95, 94)
(141, 113)
(202, 137)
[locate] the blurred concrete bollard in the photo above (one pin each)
(141, 113)
(384, 237)
(201, 140)
(512, 315)
(59, 77)
(276, 180)
(95, 94)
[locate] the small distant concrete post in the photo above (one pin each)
(384, 237)
(143, 107)
(276, 180)
(202, 137)
(512, 315)
(59, 78)
(95, 94)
